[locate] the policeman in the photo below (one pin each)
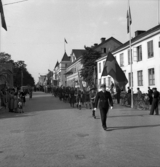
(104, 97)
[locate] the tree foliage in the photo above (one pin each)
(5, 57)
(89, 70)
(18, 70)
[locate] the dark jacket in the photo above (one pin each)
(156, 95)
(104, 98)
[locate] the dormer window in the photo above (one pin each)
(103, 50)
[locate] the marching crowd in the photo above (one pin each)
(89, 99)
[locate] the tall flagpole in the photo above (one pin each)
(64, 46)
(158, 13)
(130, 52)
(0, 34)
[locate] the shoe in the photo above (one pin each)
(94, 117)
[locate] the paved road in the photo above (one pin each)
(51, 134)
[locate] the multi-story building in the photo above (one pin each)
(145, 51)
(71, 73)
(60, 69)
(104, 47)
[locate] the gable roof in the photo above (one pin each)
(133, 40)
(56, 64)
(107, 40)
(78, 52)
(65, 57)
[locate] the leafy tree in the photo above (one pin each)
(89, 69)
(5, 57)
(19, 72)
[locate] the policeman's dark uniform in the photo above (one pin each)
(155, 100)
(104, 99)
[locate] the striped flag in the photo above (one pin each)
(2, 16)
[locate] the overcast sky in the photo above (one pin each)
(37, 28)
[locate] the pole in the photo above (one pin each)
(21, 77)
(158, 13)
(0, 33)
(64, 46)
(130, 52)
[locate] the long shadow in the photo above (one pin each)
(131, 127)
(115, 116)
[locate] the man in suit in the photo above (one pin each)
(104, 98)
(155, 100)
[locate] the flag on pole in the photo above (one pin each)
(112, 68)
(2, 16)
(129, 19)
(65, 40)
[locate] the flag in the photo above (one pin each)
(112, 68)
(65, 40)
(129, 19)
(2, 16)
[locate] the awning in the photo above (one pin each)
(69, 72)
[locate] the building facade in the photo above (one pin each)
(145, 52)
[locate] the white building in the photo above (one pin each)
(146, 60)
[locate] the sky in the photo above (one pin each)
(37, 28)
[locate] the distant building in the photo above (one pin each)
(103, 47)
(72, 70)
(59, 70)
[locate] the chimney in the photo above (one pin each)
(95, 44)
(103, 39)
(138, 32)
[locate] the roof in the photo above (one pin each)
(107, 40)
(138, 37)
(56, 64)
(65, 57)
(78, 52)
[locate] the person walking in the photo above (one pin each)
(150, 92)
(104, 98)
(154, 107)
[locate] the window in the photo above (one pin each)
(130, 79)
(151, 76)
(121, 60)
(140, 78)
(129, 57)
(99, 67)
(104, 80)
(99, 82)
(150, 49)
(104, 63)
(139, 53)
(109, 81)
(103, 50)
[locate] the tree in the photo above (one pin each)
(89, 69)
(5, 57)
(21, 76)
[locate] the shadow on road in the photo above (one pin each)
(131, 127)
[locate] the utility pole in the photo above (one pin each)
(21, 76)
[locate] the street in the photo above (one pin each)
(52, 134)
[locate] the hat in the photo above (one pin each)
(103, 86)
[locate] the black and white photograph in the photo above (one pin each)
(79, 83)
